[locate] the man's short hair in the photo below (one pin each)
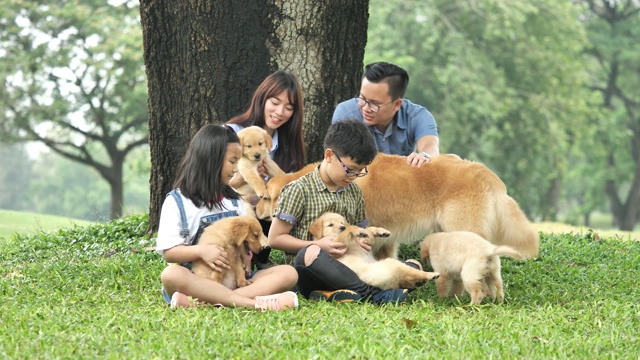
(394, 75)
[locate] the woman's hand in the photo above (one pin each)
(214, 256)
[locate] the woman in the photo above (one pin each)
(276, 106)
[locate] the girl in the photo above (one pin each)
(202, 192)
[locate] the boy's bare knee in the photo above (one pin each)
(311, 254)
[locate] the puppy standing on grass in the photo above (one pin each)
(255, 143)
(466, 261)
(385, 274)
(240, 236)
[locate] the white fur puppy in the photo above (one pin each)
(466, 261)
(385, 274)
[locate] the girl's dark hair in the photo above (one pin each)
(290, 155)
(200, 169)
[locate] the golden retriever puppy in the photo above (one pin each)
(447, 194)
(385, 274)
(265, 206)
(256, 144)
(240, 236)
(466, 261)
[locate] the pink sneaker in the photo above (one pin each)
(180, 300)
(283, 301)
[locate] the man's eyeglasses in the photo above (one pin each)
(352, 173)
(373, 107)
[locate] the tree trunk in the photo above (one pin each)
(204, 59)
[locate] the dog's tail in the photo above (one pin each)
(512, 228)
(508, 251)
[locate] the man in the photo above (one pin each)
(398, 126)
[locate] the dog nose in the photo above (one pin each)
(342, 227)
(256, 156)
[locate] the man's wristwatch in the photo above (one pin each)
(426, 155)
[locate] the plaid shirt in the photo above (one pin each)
(302, 201)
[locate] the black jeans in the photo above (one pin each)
(327, 273)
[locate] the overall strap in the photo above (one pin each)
(184, 227)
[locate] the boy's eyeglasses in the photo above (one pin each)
(352, 173)
(373, 107)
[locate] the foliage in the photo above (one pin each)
(73, 78)
(52, 184)
(505, 83)
(93, 292)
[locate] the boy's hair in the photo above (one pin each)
(200, 169)
(353, 139)
(394, 75)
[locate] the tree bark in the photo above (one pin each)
(204, 59)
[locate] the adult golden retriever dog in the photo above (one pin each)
(466, 261)
(240, 236)
(385, 274)
(447, 194)
(256, 143)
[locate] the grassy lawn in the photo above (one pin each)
(12, 222)
(94, 292)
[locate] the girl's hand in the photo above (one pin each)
(214, 256)
(335, 249)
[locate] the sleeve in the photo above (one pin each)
(235, 127)
(346, 110)
(422, 123)
(169, 226)
(291, 203)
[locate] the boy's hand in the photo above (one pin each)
(335, 249)
(364, 243)
(214, 256)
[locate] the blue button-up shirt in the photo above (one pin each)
(409, 124)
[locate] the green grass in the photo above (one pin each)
(93, 292)
(17, 222)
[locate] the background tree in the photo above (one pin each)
(15, 176)
(204, 59)
(73, 79)
(504, 81)
(614, 30)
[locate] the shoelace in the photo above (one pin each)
(268, 304)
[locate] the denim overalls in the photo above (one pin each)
(204, 222)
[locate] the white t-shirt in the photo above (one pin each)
(170, 223)
(237, 128)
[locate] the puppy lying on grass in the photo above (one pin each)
(386, 274)
(466, 261)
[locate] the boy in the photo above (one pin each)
(348, 149)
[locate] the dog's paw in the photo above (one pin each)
(434, 275)
(378, 232)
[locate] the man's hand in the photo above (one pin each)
(417, 159)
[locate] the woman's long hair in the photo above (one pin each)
(290, 155)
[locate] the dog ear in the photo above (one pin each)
(241, 231)
(316, 229)
(268, 140)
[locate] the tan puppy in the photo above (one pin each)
(385, 274)
(265, 206)
(256, 144)
(447, 194)
(240, 236)
(466, 261)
